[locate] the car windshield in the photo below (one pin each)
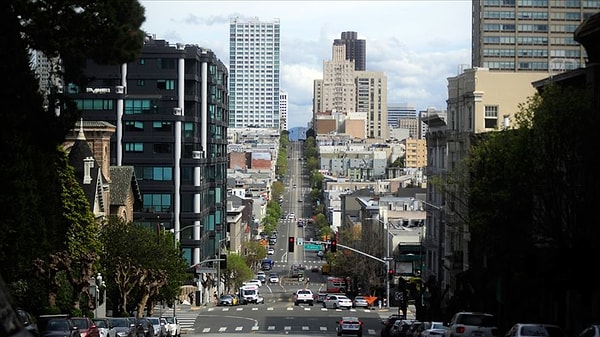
(80, 323)
(477, 320)
(101, 323)
(170, 320)
(57, 325)
(117, 322)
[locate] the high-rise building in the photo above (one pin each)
(371, 98)
(339, 89)
(356, 49)
(283, 110)
(526, 35)
(170, 110)
(254, 78)
(344, 90)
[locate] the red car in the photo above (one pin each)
(87, 327)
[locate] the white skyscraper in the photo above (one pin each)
(254, 73)
(283, 110)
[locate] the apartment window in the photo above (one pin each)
(134, 147)
(168, 63)
(94, 104)
(134, 126)
(154, 173)
(157, 202)
(188, 129)
(162, 148)
(139, 106)
(165, 84)
(162, 126)
(491, 116)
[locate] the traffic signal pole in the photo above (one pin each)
(385, 260)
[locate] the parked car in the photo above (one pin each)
(337, 301)
(126, 327)
(28, 321)
(533, 329)
(87, 327)
(592, 330)
(320, 297)
(227, 300)
(388, 323)
(360, 302)
(173, 326)
(349, 325)
(57, 326)
(464, 324)
(158, 324)
(105, 327)
(400, 327)
(433, 329)
(414, 329)
(146, 325)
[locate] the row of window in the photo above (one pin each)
(531, 40)
(163, 202)
(544, 3)
(533, 66)
(569, 53)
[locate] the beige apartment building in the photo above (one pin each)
(415, 152)
(479, 100)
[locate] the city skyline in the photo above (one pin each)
(417, 65)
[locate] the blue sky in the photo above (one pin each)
(417, 44)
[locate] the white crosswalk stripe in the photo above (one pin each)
(287, 329)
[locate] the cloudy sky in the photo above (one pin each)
(417, 44)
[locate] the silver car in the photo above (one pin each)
(360, 302)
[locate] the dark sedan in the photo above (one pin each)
(126, 327)
(57, 326)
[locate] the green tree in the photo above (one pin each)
(138, 263)
(237, 272)
(254, 252)
(30, 192)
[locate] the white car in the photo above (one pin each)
(273, 278)
(173, 326)
(270, 251)
(336, 301)
(253, 282)
(292, 216)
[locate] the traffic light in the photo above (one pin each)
(333, 246)
(391, 274)
(291, 244)
(223, 262)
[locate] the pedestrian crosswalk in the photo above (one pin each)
(274, 328)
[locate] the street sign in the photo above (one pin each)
(312, 246)
(204, 270)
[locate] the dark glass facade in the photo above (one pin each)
(171, 111)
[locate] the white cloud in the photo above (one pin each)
(417, 44)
